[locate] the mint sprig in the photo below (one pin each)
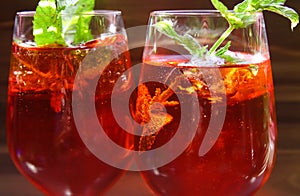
(241, 16)
(54, 19)
(198, 51)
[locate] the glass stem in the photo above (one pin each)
(221, 40)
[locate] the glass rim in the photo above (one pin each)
(192, 12)
(93, 12)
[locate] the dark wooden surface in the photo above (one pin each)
(285, 53)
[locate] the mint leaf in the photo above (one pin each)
(47, 26)
(186, 40)
(235, 20)
(286, 12)
(244, 6)
(223, 50)
(83, 32)
(74, 22)
(59, 22)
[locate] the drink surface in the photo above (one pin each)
(42, 137)
(242, 157)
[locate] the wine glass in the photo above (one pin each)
(224, 105)
(42, 135)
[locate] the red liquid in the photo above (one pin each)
(241, 159)
(42, 138)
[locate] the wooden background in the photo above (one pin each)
(285, 53)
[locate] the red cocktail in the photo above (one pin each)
(223, 100)
(242, 157)
(42, 137)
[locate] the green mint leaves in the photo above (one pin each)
(54, 19)
(74, 22)
(277, 6)
(187, 41)
(47, 25)
(191, 44)
(241, 16)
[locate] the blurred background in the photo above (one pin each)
(285, 56)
